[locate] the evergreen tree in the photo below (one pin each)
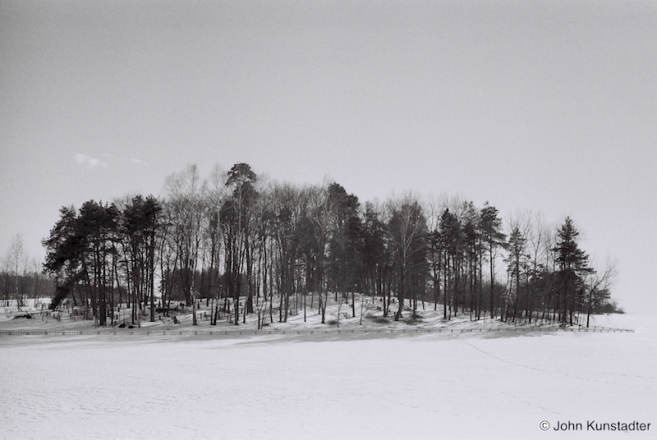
(517, 262)
(573, 265)
(491, 226)
(377, 256)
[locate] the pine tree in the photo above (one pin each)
(491, 226)
(573, 265)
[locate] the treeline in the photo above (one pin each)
(21, 277)
(234, 236)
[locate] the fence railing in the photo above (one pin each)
(236, 332)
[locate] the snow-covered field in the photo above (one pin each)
(427, 386)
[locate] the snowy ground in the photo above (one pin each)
(473, 385)
(368, 315)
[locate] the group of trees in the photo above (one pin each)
(265, 247)
(105, 255)
(21, 277)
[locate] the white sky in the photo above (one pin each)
(542, 105)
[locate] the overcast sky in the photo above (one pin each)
(541, 105)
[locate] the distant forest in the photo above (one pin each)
(21, 278)
(233, 238)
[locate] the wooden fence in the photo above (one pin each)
(237, 332)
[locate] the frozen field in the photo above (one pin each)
(474, 386)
